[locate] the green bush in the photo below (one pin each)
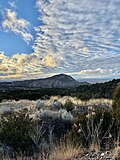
(84, 97)
(68, 105)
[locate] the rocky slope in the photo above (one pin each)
(57, 81)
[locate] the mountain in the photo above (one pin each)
(62, 85)
(57, 81)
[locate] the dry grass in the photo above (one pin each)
(94, 147)
(116, 153)
(65, 151)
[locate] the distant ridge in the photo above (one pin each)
(99, 90)
(56, 81)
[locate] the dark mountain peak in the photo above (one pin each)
(63, 77)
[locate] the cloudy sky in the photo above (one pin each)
(40, 38)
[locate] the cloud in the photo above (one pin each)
(96, 73)
(17, 26)
(49, 61)
(77, 37)
(25, 66)
(84, 34)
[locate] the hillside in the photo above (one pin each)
(57, 81)
(99, 90)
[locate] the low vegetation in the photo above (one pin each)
(83, 92)
(60, 128)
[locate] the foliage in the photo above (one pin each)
(84, 97)
(58, 125)
(68, 105)
(116, 99)
(96, 126)
(65, 150)
(116, 110)
(62, 113)
(98, 90)
(15, 131)
(91, 129)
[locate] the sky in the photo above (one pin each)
(41, 38)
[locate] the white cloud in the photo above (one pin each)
(76, 37)
(25, 66)
(18, 26)
(84, 34)
(49, 61)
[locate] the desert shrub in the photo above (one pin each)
(92, 129)
(65, 150)
(40, 104)
(116, 99)
(57, 125)
(74, 134)
(104, 122)
(15, 130)
(62, 113)
(49, 127)
(116, 111)
(53, 123)
(68, 105)
(116, 153)
(84, 97)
